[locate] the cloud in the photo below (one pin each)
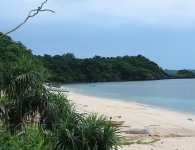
(105, 12)
(142, 11)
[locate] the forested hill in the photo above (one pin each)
(68, 69)
(11, 51)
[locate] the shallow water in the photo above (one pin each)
(177, 94)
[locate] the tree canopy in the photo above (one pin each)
(69, 69)
(185, 74)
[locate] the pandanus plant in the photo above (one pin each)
(25, 94)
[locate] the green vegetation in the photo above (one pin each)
(178, 74)
(33, 118)
(68, 69)
(34, 140)
(185, 74)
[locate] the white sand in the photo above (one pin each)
(176, 131)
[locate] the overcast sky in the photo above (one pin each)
(162, 30)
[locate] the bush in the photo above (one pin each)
(32, 140)
(22, 79)
(91, 133)
(99, 133)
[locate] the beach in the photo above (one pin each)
(170, 130)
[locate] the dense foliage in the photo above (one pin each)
(68, 69)
(22, 79)
(31, 117)
(185, 74)
(34, 140)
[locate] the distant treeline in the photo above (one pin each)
(181, 73)
(69, 69)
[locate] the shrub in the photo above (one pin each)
(99, 133)
(32, 140)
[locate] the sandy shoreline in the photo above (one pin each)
(175, 130)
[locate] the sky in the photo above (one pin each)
(161, 30)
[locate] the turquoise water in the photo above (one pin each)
(178, 95)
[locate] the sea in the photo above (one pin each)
(172, 94)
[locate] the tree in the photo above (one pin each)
(25, 97)
(185, 74)
(22, 79)
(23, 88)
(68, 69)
(31, 14)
